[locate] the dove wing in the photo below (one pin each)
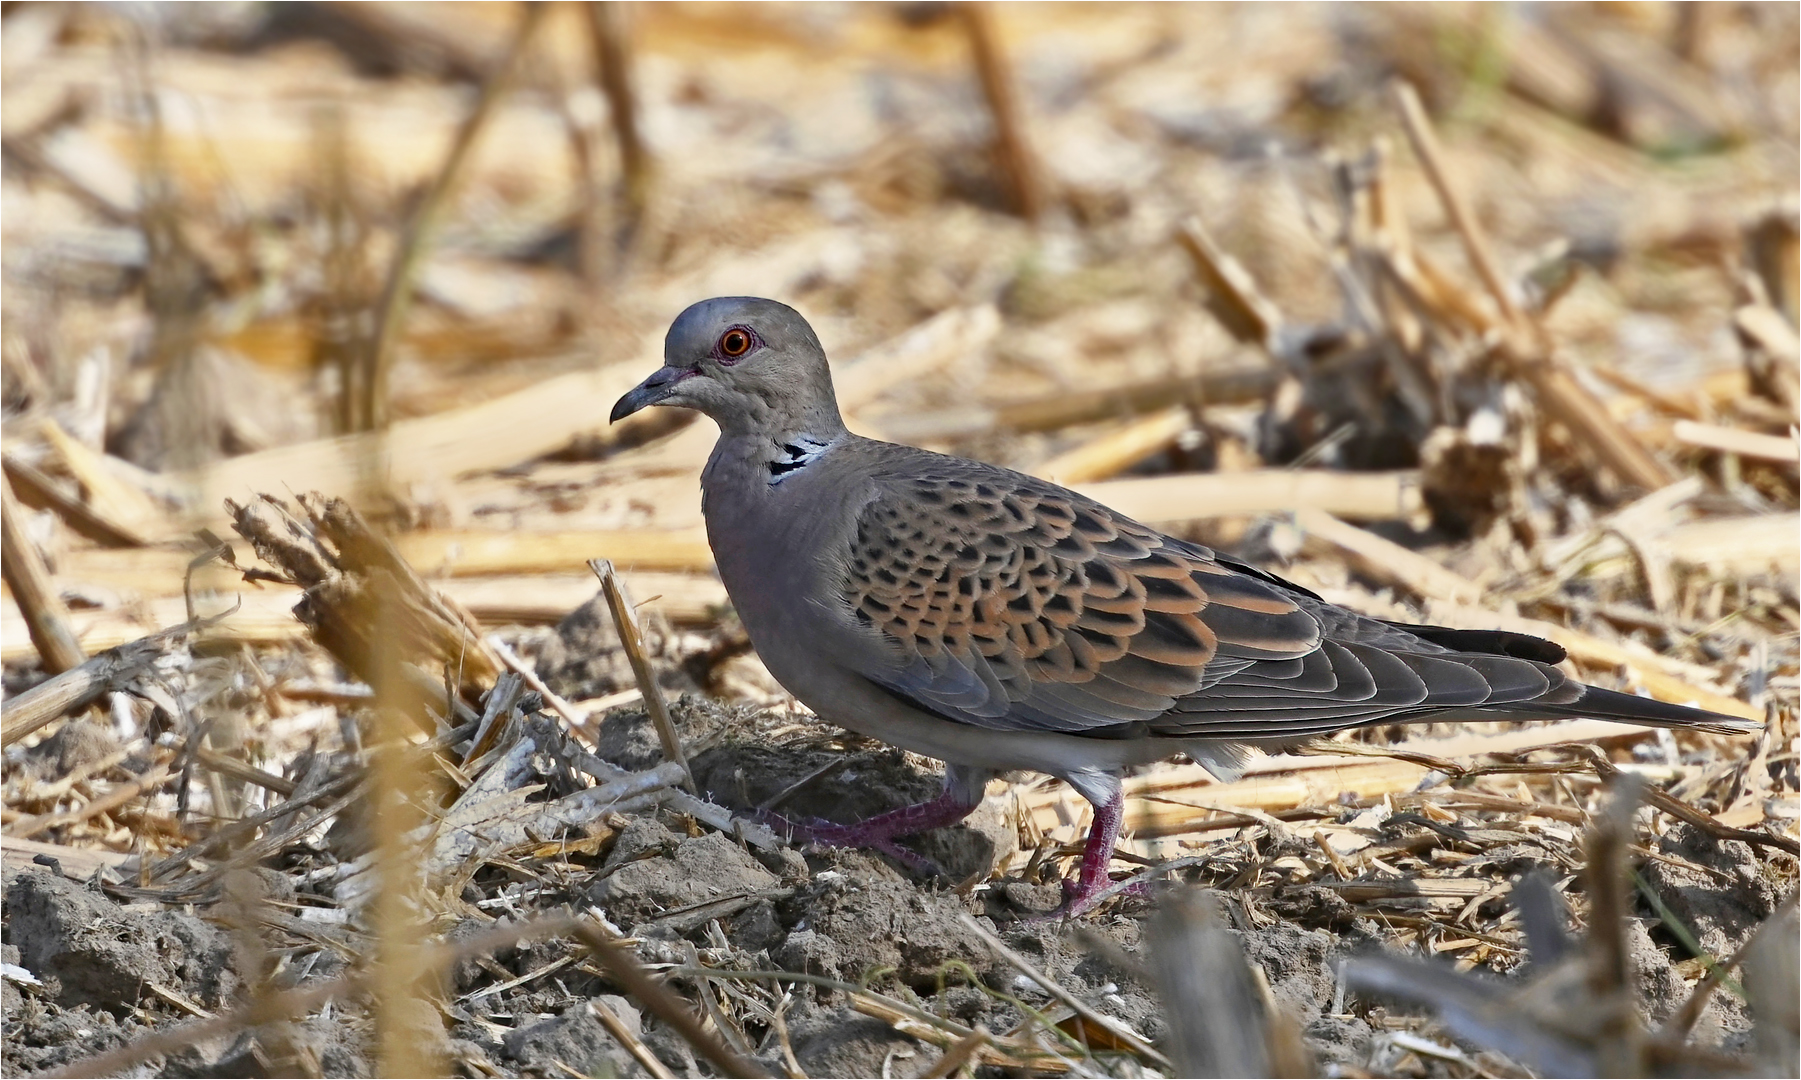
(1013, 604)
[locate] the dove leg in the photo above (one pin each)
(962, 794)
(1097, 855)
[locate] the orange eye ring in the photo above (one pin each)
(735, 342)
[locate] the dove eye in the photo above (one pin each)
(734, 343)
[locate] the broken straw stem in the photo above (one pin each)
(625, 617)
(46, 619)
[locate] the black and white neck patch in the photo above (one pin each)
(793, 454)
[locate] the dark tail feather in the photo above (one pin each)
(1498, 642)
(1612, 705)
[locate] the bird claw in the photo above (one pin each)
(817, 832)
(1078, 900)
(909, 858)
(791, 828)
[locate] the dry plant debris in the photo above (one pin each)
(322, 746)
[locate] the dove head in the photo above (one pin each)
(753, 365)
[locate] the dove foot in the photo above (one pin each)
(1085, 891)
(878, 833)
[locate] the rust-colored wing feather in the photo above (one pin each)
(1014, 604)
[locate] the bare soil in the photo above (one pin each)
(111, 971)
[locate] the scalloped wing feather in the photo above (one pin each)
(1017, 605)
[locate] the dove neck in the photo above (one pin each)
(818, 427)
(789, 412)
(781, 434)
(775, 458)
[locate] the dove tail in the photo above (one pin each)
(1612, 705)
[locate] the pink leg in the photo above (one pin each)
(878, 833)
(1080, 895)
(1097, 854)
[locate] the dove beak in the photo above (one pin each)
(654, 390)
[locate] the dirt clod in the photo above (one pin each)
(839, 1042)
(698, 869)
(880, 923)
(91, 951)
(577, 1039)
(1720, 918)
